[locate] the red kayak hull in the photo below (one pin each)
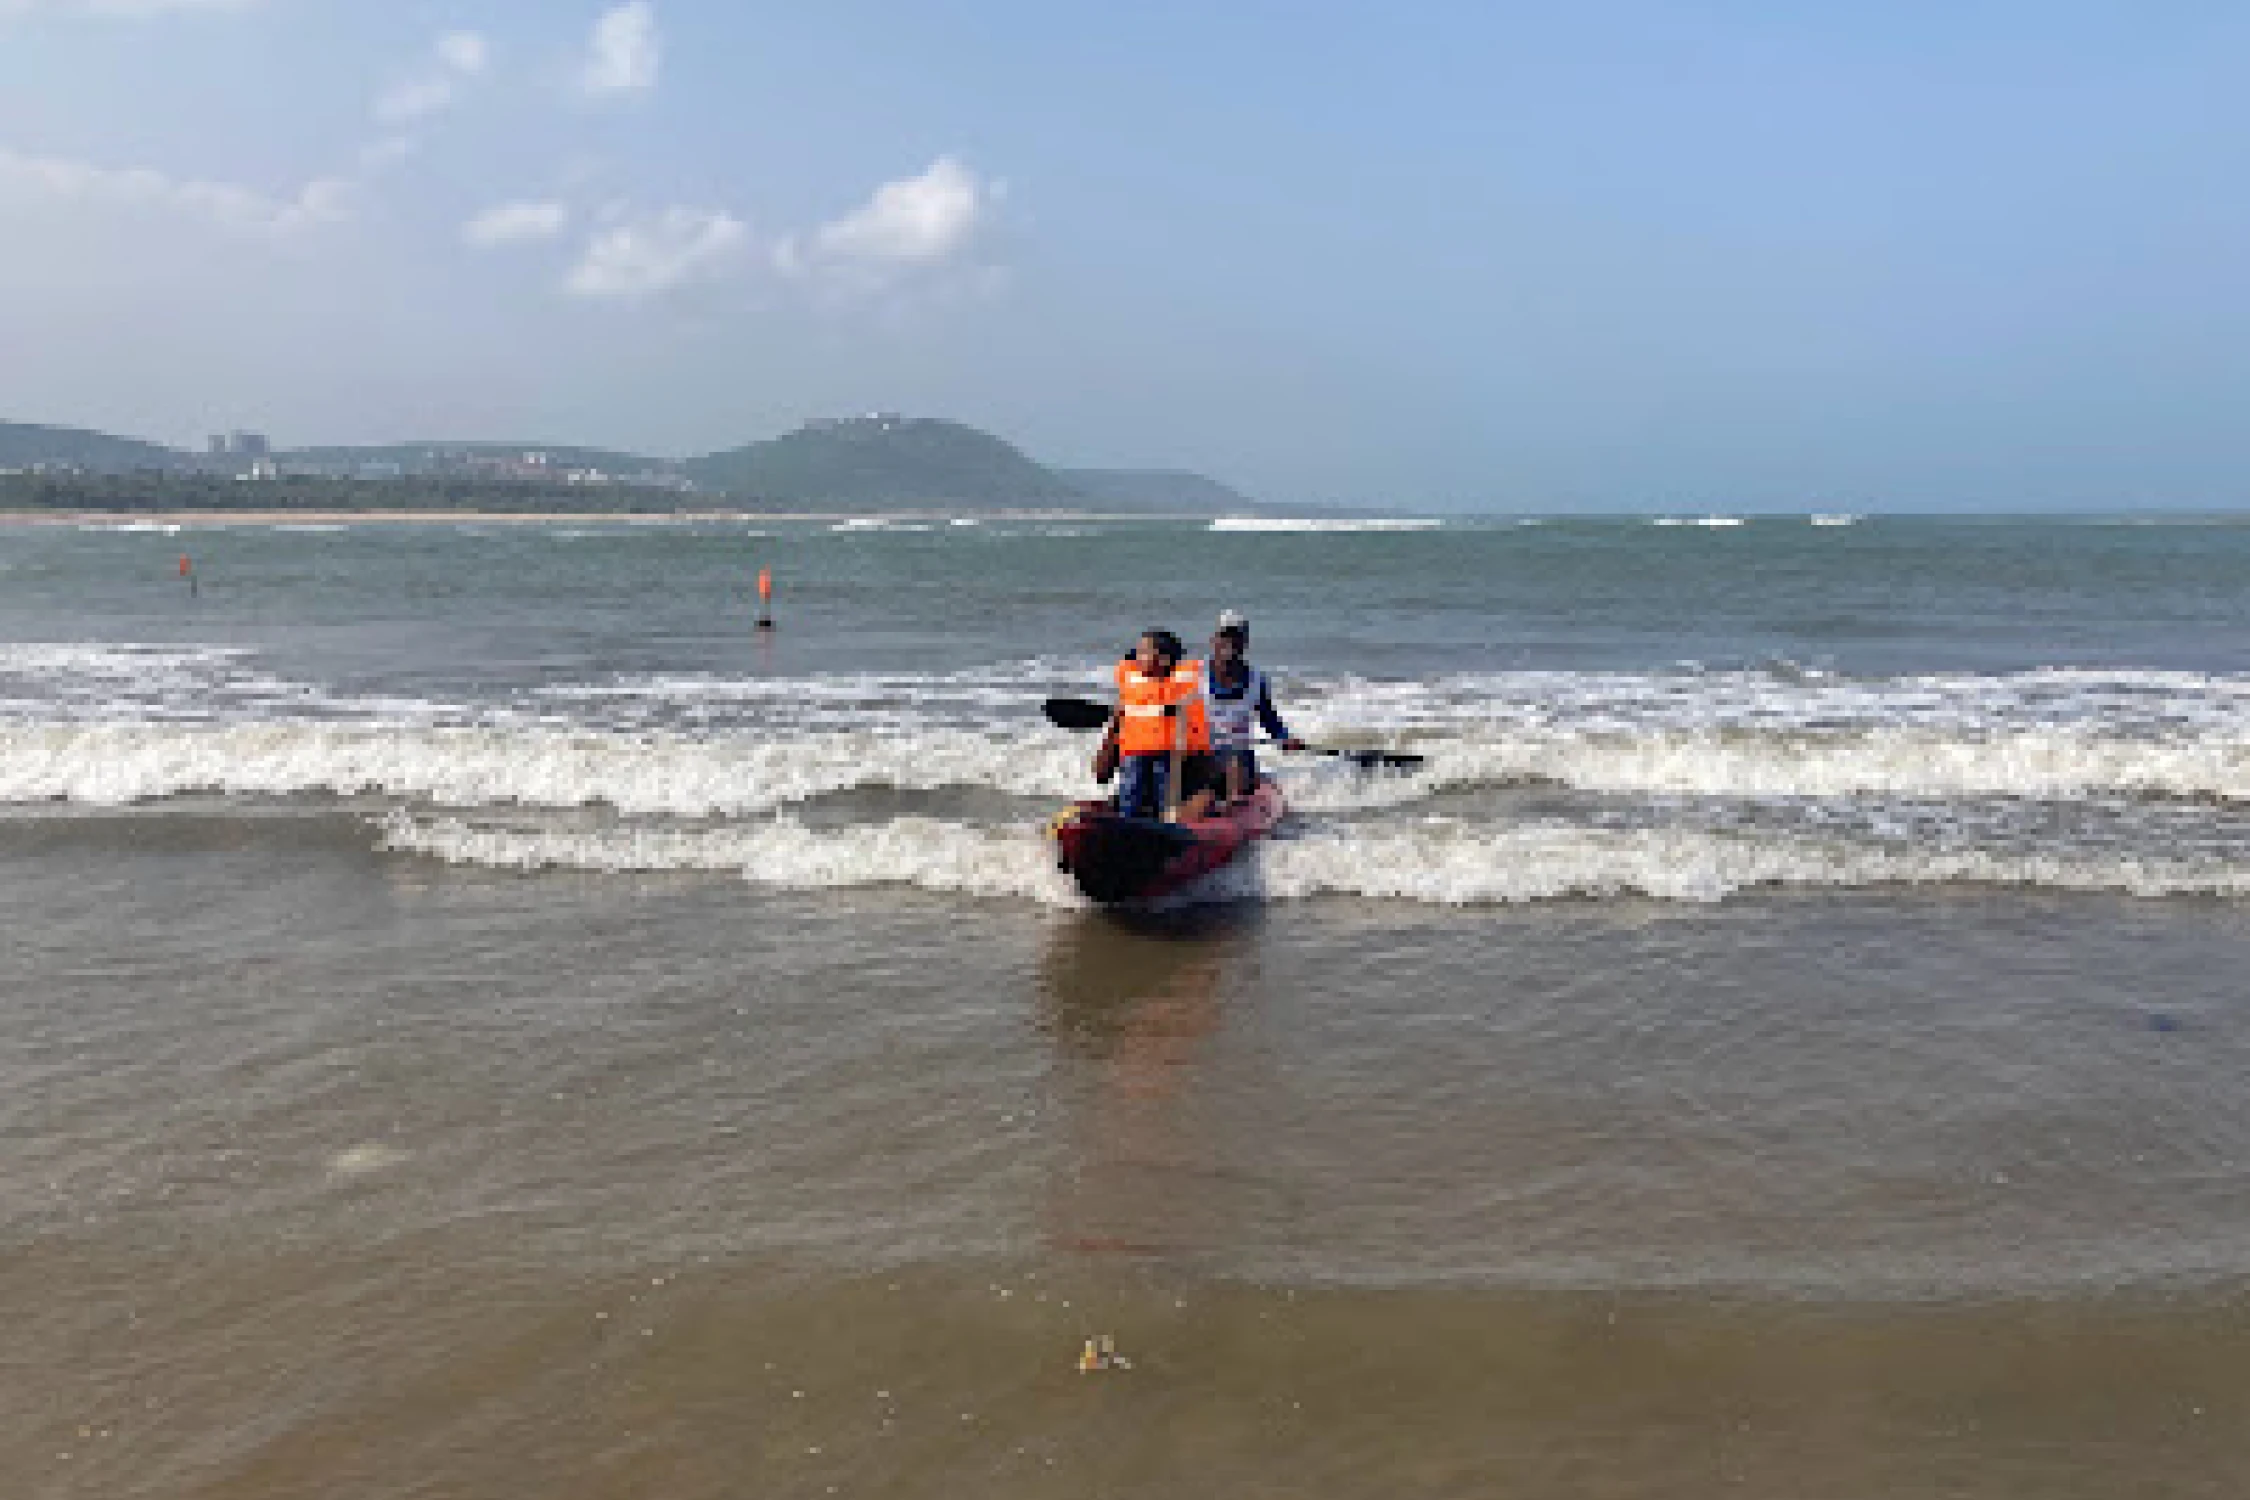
(1117, 861)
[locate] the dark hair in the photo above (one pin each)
(1167, 644)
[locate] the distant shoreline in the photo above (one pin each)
(189, 518)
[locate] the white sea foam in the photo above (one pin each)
(108, 723)
(96, 682)
(861, 524)
(113, 661)
(972, 697)
(667, 775)
(930, 853)
(1337, 526)
(1433, 863)
(654, 775)
(104, 677)
(1782, 697)
(1794, 732)
(2055, 765)
(1471, 866)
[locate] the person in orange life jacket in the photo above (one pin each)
(1159, 710)
(1237, 699)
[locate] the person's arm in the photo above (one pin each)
(1270, 717)
(1105, 756)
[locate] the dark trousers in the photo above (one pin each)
(1141, 780)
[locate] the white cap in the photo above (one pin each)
(1233, 619)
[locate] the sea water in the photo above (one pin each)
(481, 1018)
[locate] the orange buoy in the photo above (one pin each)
(765, 598)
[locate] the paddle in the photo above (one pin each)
(1084, 713)
(1368, 760)
(1076, 713)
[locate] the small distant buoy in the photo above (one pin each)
(765, 598)
(187, 571)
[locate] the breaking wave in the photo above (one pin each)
(1453, 866)
(929, 853)
(650, 775)
(1682, 785)
(1470, 866)
(743, 772)
(1889, 762)
(1324, 526)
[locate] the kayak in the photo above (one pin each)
(1119, 860)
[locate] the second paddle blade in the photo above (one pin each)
(1076, 713)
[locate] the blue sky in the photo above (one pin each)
(1611, 254)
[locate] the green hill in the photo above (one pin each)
(1158, 491)
(850, 463)
(883, 461)
(24, 445)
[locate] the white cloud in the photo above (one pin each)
(926, 220)
(387, 151)
(457, 57)
(415, 99)
(465, 52)
(324, 200)
(516, 224)
(658, 253)
(625, 53)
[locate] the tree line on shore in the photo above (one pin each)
(152, 491)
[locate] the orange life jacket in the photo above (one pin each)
(1157, 708)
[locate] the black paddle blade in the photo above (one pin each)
(1373, 760)
(1383, 760)
(1076, 713)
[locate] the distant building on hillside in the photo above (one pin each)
(251, 445)
(881, 421)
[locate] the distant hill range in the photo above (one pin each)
(878, 462)
(889, 461)
(24, 445)
(1159, 491)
